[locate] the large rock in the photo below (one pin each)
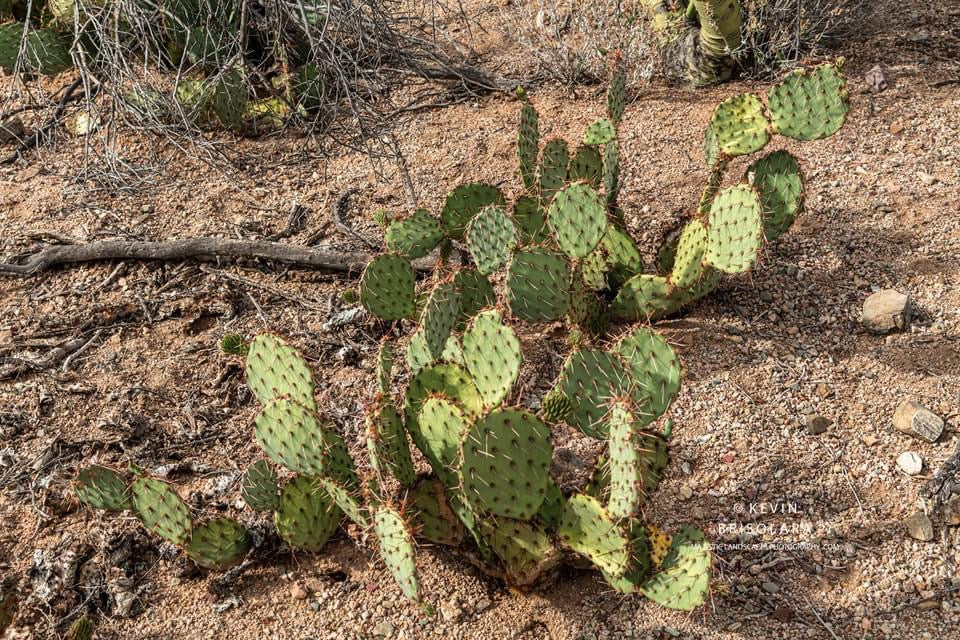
(910, 463)
(919, 527)
(886, 311)
(916, 420)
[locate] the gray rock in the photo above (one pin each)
(450, 611)
(910, 463)
(384, 629)
(482, 605)
(916, 420)
(886, 311)
(919, 527)
(770, 587)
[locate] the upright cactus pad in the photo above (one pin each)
(103, 488)
(439, 316)
(433, 519)
(615, 260)
(397, 550)
(589, 530)
(688, 259)
(385, 365)
(490, 236)
(275, 370)
(475, 291)
(230, 97)
(491, 352)
(654, 370)
(439, 429)
(259, 487)
(556, 406)
(538, 284)
(307, 516)
(218, 544)
(387, 443)
(779, 181)
(684, 578)
(553, 168)
(161, 509)
(640, 561)
(414, 236)
(590, 379)
(587, 166)
(611, 172)
(578, 218)
(504, 465)
(734, 230)
(387, 288)
(524, 548)
(466, 201)
(528, 144)
(297, 438)
(626, 481)
(810, 104)
(601, 131)
(738, 127)
(616, 96)
(530, 221)
(447, 381)
(82, 628)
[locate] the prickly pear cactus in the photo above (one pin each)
(387, 443)
(415, 236)
(161, 509)
(307, 516)
(103, 488)
(684, 576)
(259, 487)
(387, 288)
(218, 544)
(491, 353)
(538, 283)
(589, 530)
(578, 217)
(397, 550)
(277, 370)
(810, 104)
(81, 629)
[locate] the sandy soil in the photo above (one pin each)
(762, 355)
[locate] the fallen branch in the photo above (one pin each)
(203, 249)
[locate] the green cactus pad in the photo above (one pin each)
(688, 260)
(556, 406)
(161, 509)
(82, 628)
(414, 236)
(309, 89)
(810, 104)
(578, 218)
(524, 548)
(347, 500)
(233, 344)
(630, 463)
(418, 352)
(615, 260)
(587, 309)
(640, 559)
(307, 516)
(738, 127)
(591, 378)
(439, 316)
(490, 236)
(297, 438)
(654, 371)
(734, 230)
(397, 550)
(476, 293)
(230, 97)
(433, 518)
(219, 544)
(385, 364)
(466, 201)
(538, 284)
(453, 352)
(504, 464)
(553, 168)
(275, 369)
(387, 443)
(599, 484)
(589, 530)
(492, 355)
(616, 96)
(587, 166)
(551, 511)
(530, 221)
(103, 488)
(528, 143)
(684, 578)
(448, 381)
(259, 487)
(779, 181)
(387, 288)
(440, 427)
(601, 131)
(646, 296)
(611, 172)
